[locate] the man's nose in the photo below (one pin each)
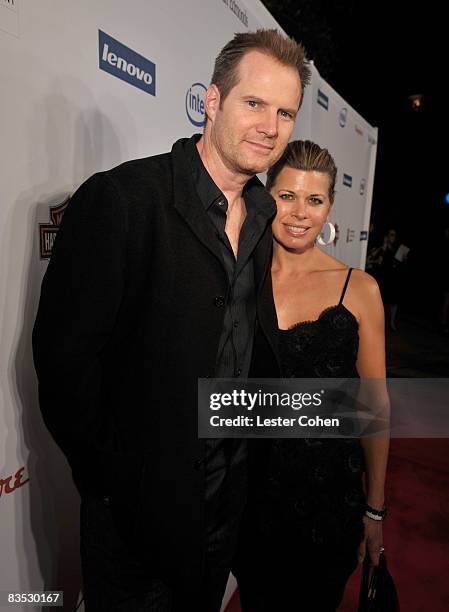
(269, 124)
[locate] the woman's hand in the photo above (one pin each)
(372, 541)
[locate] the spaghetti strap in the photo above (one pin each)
(345, 286)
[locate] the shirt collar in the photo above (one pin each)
(258, 200)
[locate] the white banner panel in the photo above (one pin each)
(85, 86)
(333, 124)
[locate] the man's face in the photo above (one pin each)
(254, 124)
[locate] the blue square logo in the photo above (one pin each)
(127, 65)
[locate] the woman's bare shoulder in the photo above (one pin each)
(363, 296)
(362, 282)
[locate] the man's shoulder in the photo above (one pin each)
(154, 172)
(142, 170)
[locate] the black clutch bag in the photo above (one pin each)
(378, 592)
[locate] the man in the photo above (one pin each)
(157, 277)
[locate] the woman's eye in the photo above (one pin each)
(315, 201)
(285, 196)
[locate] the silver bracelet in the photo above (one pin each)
(373, 513)
(375, 517)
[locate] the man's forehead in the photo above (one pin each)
(262, 75)
(257, 58)
(256, 65)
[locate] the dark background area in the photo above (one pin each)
(375, 55)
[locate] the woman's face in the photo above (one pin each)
(303, 206)
(391, 236)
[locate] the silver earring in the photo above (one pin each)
(331, 238)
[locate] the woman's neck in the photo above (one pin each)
(289, 261)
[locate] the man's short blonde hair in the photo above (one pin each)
(283, 49)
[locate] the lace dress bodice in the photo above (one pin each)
(311, 489)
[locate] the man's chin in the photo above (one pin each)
(251, 168)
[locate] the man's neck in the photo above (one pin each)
(230, 182)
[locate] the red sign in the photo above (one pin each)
(12, 483)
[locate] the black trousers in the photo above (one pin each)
(115, 581)
(301, 588)
(284, 572)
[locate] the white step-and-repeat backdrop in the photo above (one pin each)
(84, 86)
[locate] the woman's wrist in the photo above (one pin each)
(377, 502)
(375, 491)
(376, 514)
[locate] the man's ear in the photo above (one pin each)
(212, 101)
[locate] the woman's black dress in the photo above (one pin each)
(303, 522)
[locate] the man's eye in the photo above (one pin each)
(252, 103)
(286, 115)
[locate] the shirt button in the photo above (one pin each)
(236, 323)
(197, 464)
(221, 202)
(219, 301)
(239, 371)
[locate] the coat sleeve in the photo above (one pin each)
(80, 299)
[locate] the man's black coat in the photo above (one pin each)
(130, 316)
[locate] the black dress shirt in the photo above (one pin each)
(225, 460)
(235, 348)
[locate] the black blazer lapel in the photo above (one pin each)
(266, 311)
(188, 203)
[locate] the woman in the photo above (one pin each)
(389, 274)
(307, 522)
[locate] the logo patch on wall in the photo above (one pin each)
(48, 231)
(323, 100)
(237, 10)
(362, 187)
(195, 104)
(125, 64)
(342, 117)
(347, 180)
(350, 235)
(363, 235)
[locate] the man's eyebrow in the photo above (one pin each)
(292, 111)
(255, 98)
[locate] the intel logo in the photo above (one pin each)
(195, 104)
(342, 117)
(127, 65)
